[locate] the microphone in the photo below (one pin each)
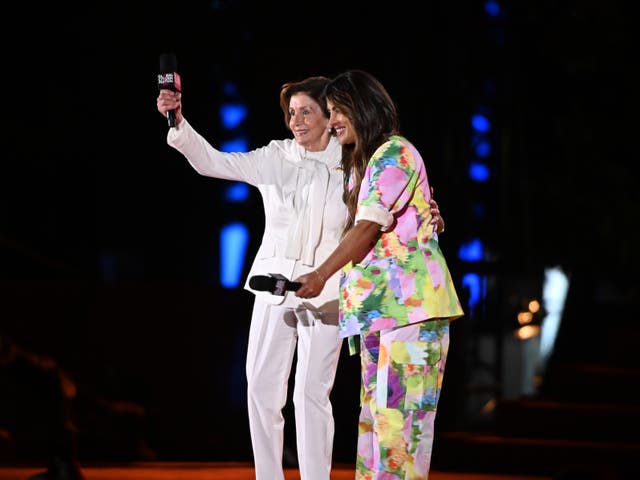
(169, 79)
(275, 284)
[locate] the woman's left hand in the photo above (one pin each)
(436, 219)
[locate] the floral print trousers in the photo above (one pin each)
(402, 373)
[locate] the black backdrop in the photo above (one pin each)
(89, 186)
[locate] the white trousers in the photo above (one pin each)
(273, 336)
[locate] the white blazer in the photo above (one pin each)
(302, 196)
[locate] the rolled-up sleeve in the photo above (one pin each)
(386, 186)
(376, 215)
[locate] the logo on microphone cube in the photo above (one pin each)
(279, 287)
(169, 81)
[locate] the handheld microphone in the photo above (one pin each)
(169, 79)
(274, 285)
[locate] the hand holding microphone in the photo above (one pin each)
(275, 284)
(309, 286)
(312, 284)
(170, 86)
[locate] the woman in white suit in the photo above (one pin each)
(301, 184)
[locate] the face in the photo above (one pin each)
(308, 123)
(341, 125)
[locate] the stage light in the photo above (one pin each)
(476, 287)
(479, 172)
(527, 332)
(237, 192)
(232, 115)
(234, 235)
(480, 123)
(554, 294)
(483, 149)
(234, 238)
(525, 318)
(472, 251)
(492, 8)
(239, 144)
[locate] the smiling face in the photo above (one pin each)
(341, 125)
(308, 122)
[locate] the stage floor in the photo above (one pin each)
(218, 471)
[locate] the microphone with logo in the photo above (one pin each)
(169, 79)
(275, 284)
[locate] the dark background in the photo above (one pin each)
(108, 238)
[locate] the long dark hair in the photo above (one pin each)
(374, 116)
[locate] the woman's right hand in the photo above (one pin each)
(170, 100)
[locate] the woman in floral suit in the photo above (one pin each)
(396, 292)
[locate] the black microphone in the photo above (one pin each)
(273, 285)
(168, 79)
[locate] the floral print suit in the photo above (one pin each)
(399, 299)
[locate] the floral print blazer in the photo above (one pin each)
(404, 278)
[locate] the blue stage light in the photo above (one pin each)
(472, 251)
(476, 287)
(492, 8)
(236, 192)
(483, 149)
(479, 172)
(232, 114)
(239, 144)
(480, 123)
(234, 238)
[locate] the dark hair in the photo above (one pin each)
(374, 116)
(312, 86)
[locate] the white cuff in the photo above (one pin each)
(175, 132)
(376, 215)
